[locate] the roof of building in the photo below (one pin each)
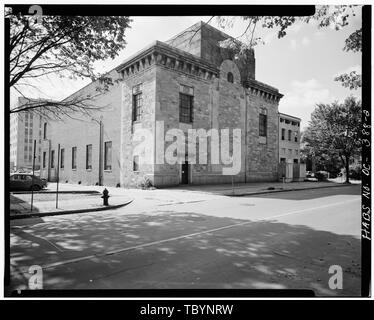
(162, 46)
(288, 116)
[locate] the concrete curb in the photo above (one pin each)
(58, 213)
(52, 191)
(285, 190)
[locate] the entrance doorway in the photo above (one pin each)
(185, 172)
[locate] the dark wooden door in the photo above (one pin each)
(185, 168)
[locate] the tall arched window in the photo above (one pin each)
(230, 77)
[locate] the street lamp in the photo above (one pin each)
(100, 122)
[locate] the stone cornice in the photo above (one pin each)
(162, 54)
(261, 89)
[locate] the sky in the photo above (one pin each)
(302, 65)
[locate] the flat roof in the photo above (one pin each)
(288, 116)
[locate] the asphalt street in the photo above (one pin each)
(280, 240)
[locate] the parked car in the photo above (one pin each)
(309, 174)
(26, 181)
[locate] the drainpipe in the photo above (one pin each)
(101, 153)
(245, 135)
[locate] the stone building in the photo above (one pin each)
(188, 82)
(289, 138)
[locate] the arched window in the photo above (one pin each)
(230, 77)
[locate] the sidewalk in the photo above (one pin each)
(243, 189)
(44, 204)
(76, 198)
(178, 193)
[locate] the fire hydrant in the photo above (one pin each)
(105, 197)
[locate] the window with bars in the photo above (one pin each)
(137, 102)
(185, 108)
(89, 156)
(263, 123)
(74, 157)
(137, 106)
(108, 155)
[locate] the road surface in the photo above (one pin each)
(272, 241)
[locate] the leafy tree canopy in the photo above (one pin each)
(335, 130)
(325, 16)
(63, 45)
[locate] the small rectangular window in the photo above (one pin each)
(289, 135)
(136, 163)
(52, 158)
(74, 157)
(89, 156)
(283, 133)
(108, 155)
(62, 160)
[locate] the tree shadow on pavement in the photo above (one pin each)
(18, 205)
(311, 193)
(254, 255)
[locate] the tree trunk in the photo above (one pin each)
(347, 169)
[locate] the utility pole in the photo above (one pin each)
(100, 148)
(58, 173)
(101, 153)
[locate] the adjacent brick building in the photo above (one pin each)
(289, 138)
(187, 82)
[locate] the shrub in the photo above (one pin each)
(321, 175)
(355, 172)
(146, 183)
